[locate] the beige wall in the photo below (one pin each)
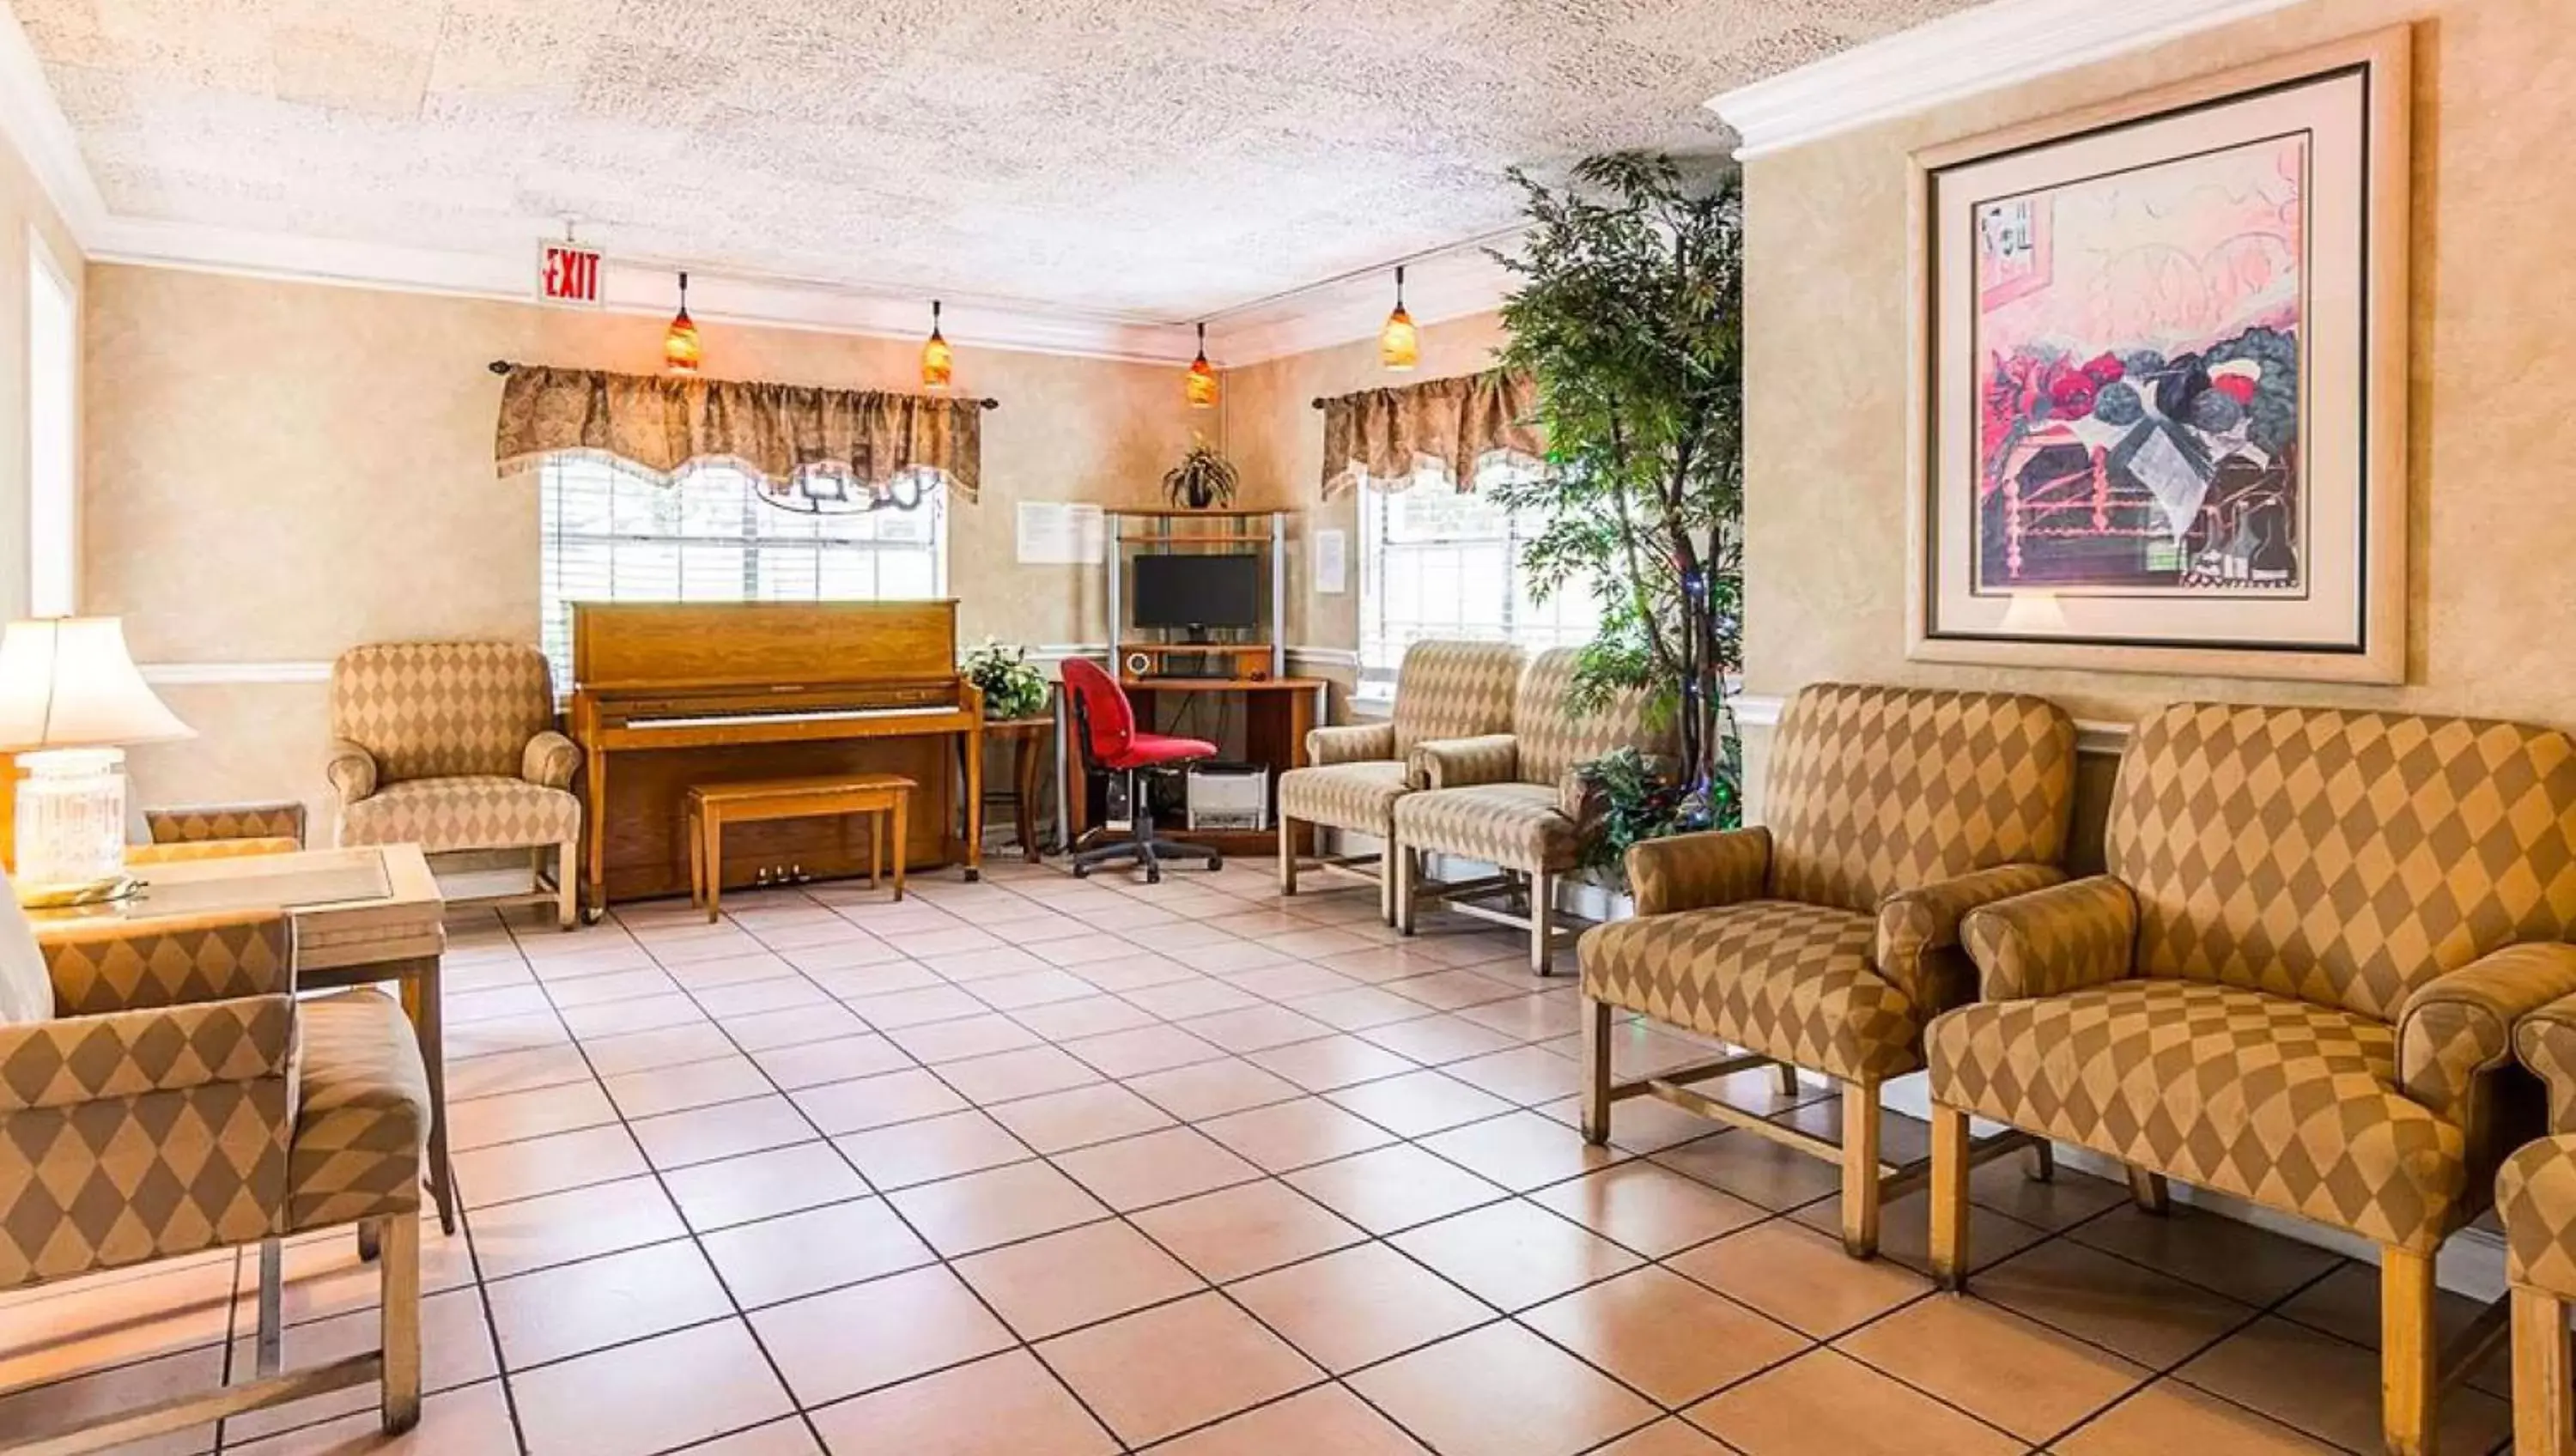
(1276, 438)
(2494, 556)
(277, 471)
(24, 209)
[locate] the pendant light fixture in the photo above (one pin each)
(1201, 380)
(938, 362)
(680, 351)
(1399, 344)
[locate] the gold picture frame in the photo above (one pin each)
(2159, 412)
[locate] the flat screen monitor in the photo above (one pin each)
(1198, 591)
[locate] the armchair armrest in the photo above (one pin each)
(1699, 871)
(2545, 1041)
(2460, 1024)
(1457, 763)
(1350, 743)
(550, 759)
(75, 1059)
(2049, 942)
(352, 771)
(206, 823)
(103, 966)
(1915, 926)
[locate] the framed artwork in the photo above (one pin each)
(2160, 412)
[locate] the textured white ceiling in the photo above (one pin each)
(1153, 158)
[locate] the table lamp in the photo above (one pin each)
(70, 699)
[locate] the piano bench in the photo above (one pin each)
(821, 796)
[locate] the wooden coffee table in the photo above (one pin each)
(361, 916)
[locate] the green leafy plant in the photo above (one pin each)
(1629, 318)
(1012, 687)
(1639, 799)
(1202, 480)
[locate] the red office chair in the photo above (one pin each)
(1104, 727)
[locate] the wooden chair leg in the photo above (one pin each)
(902, 838)
(876, 850)
(1542, 911)
(2042, 1165)
(567, 885)
(2150, 1192)
(270, 1350)
(400, 1313)
(1788, 1077)
(1949, 1196)
(1287, 856)
(1860, 1168)
(1400, 861)
(1596, 1071)
(2542, 1421)
(2408, 1381)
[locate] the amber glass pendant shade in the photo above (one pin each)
(1200, 382)
(1399, 344)
(938, 361)
(681, 353)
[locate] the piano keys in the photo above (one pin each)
(671, 694)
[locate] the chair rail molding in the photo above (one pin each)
(2091, 736)
(214, 674)
(1985, 48)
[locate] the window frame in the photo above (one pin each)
(554, 603)
(1379, 651)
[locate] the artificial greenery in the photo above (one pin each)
(1012, 688)
(1203, 479)
(1639, 800)
(1629, 318)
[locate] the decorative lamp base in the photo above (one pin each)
(71, 828)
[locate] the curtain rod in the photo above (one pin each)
(504, 366)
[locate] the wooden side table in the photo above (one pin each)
(820, 796)
(1030, 740)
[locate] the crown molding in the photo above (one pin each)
(629, 287)
(1983, 49)
(1439, 287)
(34, 123)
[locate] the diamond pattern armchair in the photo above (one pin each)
(182, 1099)
(1827, 938)
(1512, 800)
(1356, 772)
(2296, 985)
(220, 831)
(2536, 1198)
(452, 746)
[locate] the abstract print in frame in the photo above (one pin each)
(2161, 420)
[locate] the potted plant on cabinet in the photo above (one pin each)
(1203, 480)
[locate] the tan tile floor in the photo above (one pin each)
(1052, 1168)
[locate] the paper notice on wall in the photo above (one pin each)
(1060, 533)
(1332, 563)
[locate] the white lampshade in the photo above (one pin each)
(67, 682)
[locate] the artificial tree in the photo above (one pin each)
(1629, 318)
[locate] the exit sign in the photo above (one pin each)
(568, 273)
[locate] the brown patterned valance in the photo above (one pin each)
(1389, 437)
(776, 431)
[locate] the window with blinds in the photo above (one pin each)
(613, 535)
(1442, 563)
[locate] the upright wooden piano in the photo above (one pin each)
(667, 695)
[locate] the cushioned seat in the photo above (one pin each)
(1793, 979)
(362, 1112)
(1523, 826)
(477, 811)
(2288, 1103)
(1355, 772)
(1357, 796)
